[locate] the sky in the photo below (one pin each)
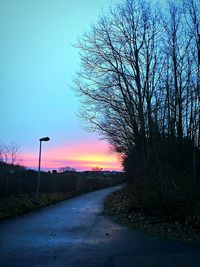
(37, 65)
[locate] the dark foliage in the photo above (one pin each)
(18, 187)
(15, 180)
(140, 88)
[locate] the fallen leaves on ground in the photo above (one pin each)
(118, 206)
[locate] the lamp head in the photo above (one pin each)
(45, 139)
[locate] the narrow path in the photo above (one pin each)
(77, 233)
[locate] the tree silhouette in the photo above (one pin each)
(8, 152)
(139, 85)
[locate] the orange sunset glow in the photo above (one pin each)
(79, 156)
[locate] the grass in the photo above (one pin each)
(16, 205)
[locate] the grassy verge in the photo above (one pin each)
(120, 206)
(16, 205)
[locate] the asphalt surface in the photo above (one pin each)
(76, 232)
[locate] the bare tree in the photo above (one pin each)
(66, 168)
(118, 76)
(139, 81)
(8, 152)
(193, 23)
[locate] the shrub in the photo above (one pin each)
(169, 203)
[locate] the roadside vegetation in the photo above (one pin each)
(15, 205)
(139, 83)
(124, 206)
(18, 187)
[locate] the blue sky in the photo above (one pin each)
(37, 64)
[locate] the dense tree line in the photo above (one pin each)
(139, 83)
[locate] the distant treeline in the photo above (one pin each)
(16, 180)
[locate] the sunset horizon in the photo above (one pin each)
(81, 157)
(38, 62)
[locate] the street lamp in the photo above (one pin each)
(45, 139)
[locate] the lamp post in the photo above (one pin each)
(38, 179)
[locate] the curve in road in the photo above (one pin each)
(76, 232)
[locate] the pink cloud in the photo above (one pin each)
(79, 156)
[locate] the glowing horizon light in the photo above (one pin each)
(78, 156)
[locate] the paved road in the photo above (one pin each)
(77, 233)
